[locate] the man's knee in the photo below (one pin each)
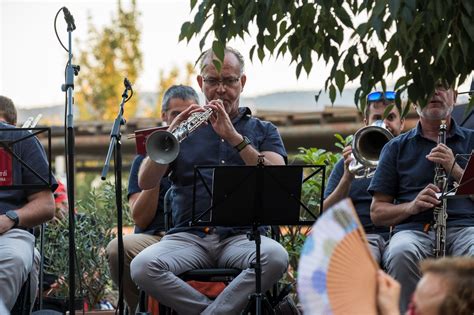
(275, 258)
(400, 253)
(141, 269)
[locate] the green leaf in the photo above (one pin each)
(332, 93)
(218, 49)
(387, 110)
(468, 25)
(340, 80)
(193, 4)
(184, 30)
(218, 64)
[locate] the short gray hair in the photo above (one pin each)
(183, 92)
(209, 54)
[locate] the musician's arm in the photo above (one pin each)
(150, 174)
(39, 208)
(384, 213)
(143, 206)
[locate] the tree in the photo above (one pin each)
(109, 55)
(431, 40)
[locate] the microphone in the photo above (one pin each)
(69, 19)
(127, 84)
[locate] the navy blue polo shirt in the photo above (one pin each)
(359, 196)
(205, 147)
(158, 223)
(403, 171)
(32, 153)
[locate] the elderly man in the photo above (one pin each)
(342, 184)
(232, 137)
(21, 209)
(404, 193)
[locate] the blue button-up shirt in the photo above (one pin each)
(403, 171)
(205, 147)
(359, 196)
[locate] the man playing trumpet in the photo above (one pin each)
(342, 182)
(232, 137)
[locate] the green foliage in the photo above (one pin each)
(94, 230)
(106, 57)
(431, 40)
(293, 237)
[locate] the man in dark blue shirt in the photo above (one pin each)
(20, 209)
(404, 193)
(342, 184)
(232, 137)
(147, 205)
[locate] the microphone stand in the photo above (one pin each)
(116, 147)
(68, 88)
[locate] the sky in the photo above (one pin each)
(32, 61)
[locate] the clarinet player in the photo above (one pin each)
(404, 191)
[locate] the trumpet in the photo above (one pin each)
(163, 146)
(367, 145)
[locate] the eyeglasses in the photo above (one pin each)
(227, 82)
(380, 96)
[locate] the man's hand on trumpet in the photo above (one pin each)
(222, 124)
(184, 115)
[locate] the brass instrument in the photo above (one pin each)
(367, 145)
(31, 122)
(439, 212)
(163, 146)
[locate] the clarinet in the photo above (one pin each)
(439, 212)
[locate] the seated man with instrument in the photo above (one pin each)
(20, 209)
(344, 183)
(147, 206)
(231, 137)
(405, 188)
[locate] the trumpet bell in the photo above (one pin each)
(162, 147)
(368, 143)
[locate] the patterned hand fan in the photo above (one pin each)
(336, 272)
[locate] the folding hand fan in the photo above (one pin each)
(336, 272)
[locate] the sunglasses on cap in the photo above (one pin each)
(380, 96)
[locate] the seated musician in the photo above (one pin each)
(342, 182)
(404, 193)
(232, 137)
(147, 205)
(21, 209)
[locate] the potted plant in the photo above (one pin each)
(96, 216)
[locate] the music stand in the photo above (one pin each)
(9, 155)
(463, 189)
(261, 195)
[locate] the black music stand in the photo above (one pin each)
(260, 195)
(8, 152)
(465, 186)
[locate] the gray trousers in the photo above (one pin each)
(376, 246)
(155, 269)
(16, 262)
(407, 248)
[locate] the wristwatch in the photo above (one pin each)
(12, 215)
(242, 144)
